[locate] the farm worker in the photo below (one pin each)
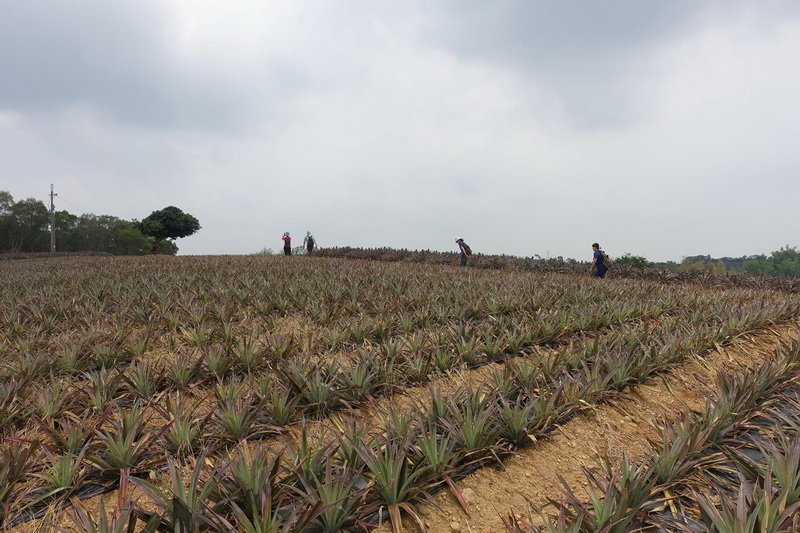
(599, 262)
(464, 252)
(287, 244)
(308, 243)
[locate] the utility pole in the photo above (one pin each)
(52, 222)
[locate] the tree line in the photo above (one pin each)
(25, 227)
(782, 262)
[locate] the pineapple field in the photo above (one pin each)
(272, 394)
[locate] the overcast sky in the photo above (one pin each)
(664, 129)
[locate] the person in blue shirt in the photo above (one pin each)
(599, 266)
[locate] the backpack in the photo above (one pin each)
(606, 259)
(467, 250)
(310, 241)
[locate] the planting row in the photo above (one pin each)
(359, 476)
(175, 292)
(733, 466)
(251, 407)
(569, 266)
(106, 309)
(73, 357)
(291, 388)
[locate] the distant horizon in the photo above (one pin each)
(277, 251)
(494, 251)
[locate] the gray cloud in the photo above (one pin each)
(592, 60)
(588, 58)
(137, 63)
(665, 129)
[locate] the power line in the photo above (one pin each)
(82, 210)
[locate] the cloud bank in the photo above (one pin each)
(662, 129)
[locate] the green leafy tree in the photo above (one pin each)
(163, 247)
(24, 227)
(129, 240)
(698, 259)
(93, 233)
(6, 202)
(692, 264)
(28, 225)
(166, 225)
(102, 233)
(783, 262)
(633, 260)
(169, 223)
(66, 223)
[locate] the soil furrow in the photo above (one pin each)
(371, 413)
(624, 425)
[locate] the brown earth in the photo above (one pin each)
(371, 413)
(625, 425)
(367, 415)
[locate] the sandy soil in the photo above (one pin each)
(624, 425)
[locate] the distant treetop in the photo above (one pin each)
(169, 223)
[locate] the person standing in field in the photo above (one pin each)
(309, 243)
(287, 244)
(464, 252)
(599, 262)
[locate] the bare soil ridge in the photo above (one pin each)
(626, 424)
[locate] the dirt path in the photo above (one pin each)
(609, 429)
(372, 413)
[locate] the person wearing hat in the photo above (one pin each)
(308, 243)
(287, 244)
(464, 252)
